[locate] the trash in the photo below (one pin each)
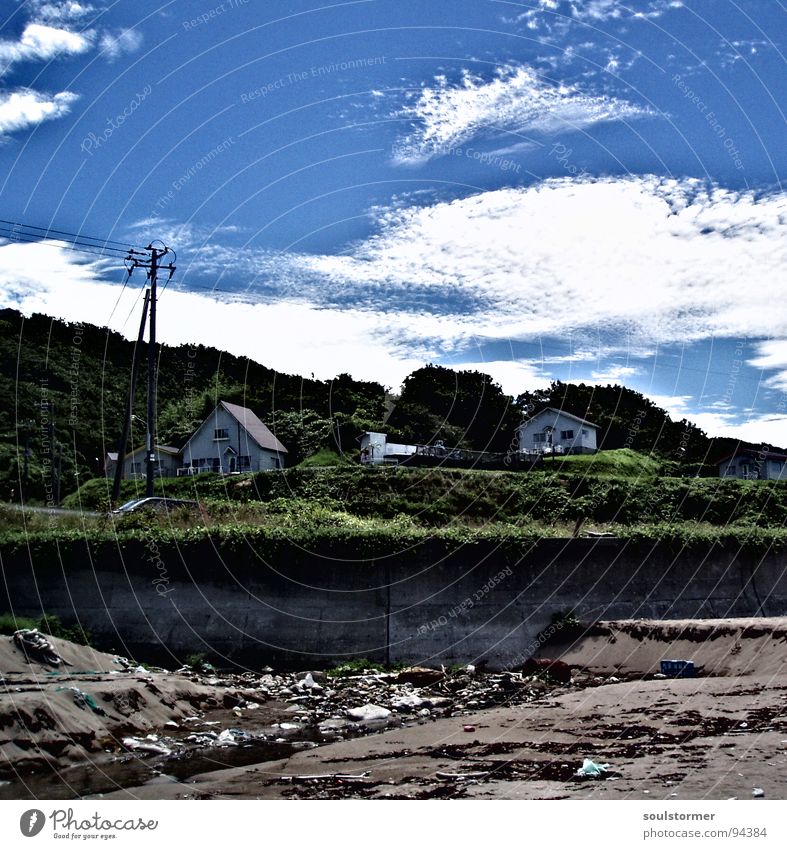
(407, 702)
(368, 713)
(36, 647)
(83, 700)
(555, 669)
(461, 776)
(231, 737)
(678, 668)
(758, 793)
(589, 769)
(420, 676)
(146, 745)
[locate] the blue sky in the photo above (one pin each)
(575, 190)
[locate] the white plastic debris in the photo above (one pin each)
(368, 713)
(146, 745)
(589, 769)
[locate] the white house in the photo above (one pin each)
(553, 431)
(135, 465)
(750, 464)
(231, 439)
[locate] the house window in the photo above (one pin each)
(566, 434)
(220, 433)
(539, 438)
(136, 468)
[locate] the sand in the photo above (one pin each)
(717, 736)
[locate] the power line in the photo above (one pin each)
(48, 230)
(15, 231)
(63, 247)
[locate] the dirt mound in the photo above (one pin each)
(729, 647)
(52, 716)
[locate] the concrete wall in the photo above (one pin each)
(426, 604)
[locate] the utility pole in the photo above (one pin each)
(130, 407)
(151, 261)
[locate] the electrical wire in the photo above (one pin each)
(63, 247)
(47, 230)
(17, 232)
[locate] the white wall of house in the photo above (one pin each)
(220, 444)
(558, 430)
(135, 466)
(751, 467)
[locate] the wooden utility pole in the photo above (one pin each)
(130, 406)
(152, 263)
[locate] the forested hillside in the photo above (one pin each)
(63, 390)
(81, 372)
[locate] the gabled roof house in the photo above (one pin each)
(232, 439)
(554, 431)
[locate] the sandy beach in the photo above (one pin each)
(720, 735)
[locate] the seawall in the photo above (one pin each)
(432, 602)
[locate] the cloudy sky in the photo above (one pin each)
(547, 189)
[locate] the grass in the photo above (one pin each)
(324, 457)
(47, 624)
(623, 464)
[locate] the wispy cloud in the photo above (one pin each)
(515, 102)
(25, 108)
(41, 43)
(772, 356)
(58, 13)
(49, 35)
(113, 45)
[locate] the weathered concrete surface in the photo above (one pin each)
(426, 604)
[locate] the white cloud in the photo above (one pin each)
(517, 101)
(42, 43)
(514, 376)
(772, 356)
(47, 12)
(26, 108)
(114, 45)
(614, 373)
(665, 259)
(291, 336)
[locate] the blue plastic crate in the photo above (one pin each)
(678, 668)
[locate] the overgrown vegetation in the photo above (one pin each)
(47, 624)
(63, 389)
(435, 498)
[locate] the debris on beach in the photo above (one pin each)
(36, 647)
(590, 769)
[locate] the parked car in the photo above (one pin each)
(159, 505)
